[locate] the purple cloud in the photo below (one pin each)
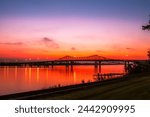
(45, 39)
(50, 42)
(73, 48)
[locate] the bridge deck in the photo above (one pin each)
(71, 62)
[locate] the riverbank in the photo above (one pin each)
(37, 94)
(129, 87)
(137, 87)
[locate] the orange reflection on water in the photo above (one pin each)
(21, 79)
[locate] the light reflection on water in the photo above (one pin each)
(21, 79)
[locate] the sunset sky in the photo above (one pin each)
(50, 29)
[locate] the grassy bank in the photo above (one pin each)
(137, 87)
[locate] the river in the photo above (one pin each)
(22, 79)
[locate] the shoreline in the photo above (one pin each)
(39, 94)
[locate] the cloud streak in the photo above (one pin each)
(73, 48)
(50, 42)
(99, 51)
(130, 49)
(9, 43)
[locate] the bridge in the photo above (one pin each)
(70, 61)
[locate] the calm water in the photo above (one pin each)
(21, 79)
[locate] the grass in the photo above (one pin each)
(138, 87)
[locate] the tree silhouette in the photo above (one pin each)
(148, 54)
(146, 27)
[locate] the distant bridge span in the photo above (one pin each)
(71, 61)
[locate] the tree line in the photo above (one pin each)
(147, 27)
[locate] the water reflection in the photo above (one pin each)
(20, 79)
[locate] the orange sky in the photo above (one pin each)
(75, 38)
(81, 33)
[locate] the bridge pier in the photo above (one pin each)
(126, 66)
(97, 66)
(100, 67)
(52, 63)
(72, 63)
